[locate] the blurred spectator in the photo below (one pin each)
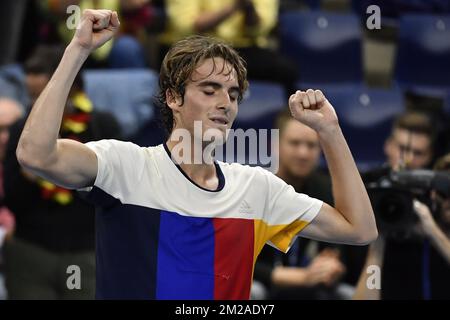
(54, 226)
(310, 270)
(410, 267)
(410, 145)
(39, 68)
(245, 24)
(11, 19)
(10, 112)
(126, 51)
(434, 228)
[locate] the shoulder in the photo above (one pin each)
(124, 151)
(113, 145)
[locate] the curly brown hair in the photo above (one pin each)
(181, 61)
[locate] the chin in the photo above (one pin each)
(218, 135)
(301, 173)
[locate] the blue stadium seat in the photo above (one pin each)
(260, 102)
(366, 117)
(127, 93)
(423, 56)
(314, 4)
(389, 10)
(327, 46)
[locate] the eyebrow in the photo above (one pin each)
(216, 85)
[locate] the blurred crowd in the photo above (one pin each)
(390, 87)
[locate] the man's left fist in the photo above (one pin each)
(313, 109)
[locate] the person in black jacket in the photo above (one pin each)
(54, 237)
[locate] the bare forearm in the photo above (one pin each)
(40, 134)
(350, 195)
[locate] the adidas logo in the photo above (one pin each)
(245, 208)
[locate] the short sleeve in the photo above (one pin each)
(120, 166)
(289, 212)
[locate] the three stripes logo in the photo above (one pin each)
(245, 208)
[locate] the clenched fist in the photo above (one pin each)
(313, 109)
(95, 28)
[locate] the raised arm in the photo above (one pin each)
(351, 221)
(432, 230)
(67, 163)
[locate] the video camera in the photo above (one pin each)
(392, 197)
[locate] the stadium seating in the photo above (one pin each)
(366, 117)
(127, 93)
(423, 56)
(327, 46)
(262, 102)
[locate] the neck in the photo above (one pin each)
(195, 160)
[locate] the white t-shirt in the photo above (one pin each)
(195, 243)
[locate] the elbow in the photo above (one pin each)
(21, 155)
(27, 159)
(366, 238)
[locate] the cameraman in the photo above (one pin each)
(410, 145)
(417, 267)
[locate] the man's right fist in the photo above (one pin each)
(95, 28)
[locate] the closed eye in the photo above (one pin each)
(233, 97)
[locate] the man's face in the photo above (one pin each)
(411, 149)
(10, 112)
(211, 96)
(36, 83)
(299, 149)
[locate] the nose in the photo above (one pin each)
(224, 102)
(302, 150)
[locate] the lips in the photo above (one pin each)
(221, 120)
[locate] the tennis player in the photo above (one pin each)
(189, 229)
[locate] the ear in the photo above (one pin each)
(174, 100)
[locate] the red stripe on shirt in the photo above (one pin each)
(233, 258)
